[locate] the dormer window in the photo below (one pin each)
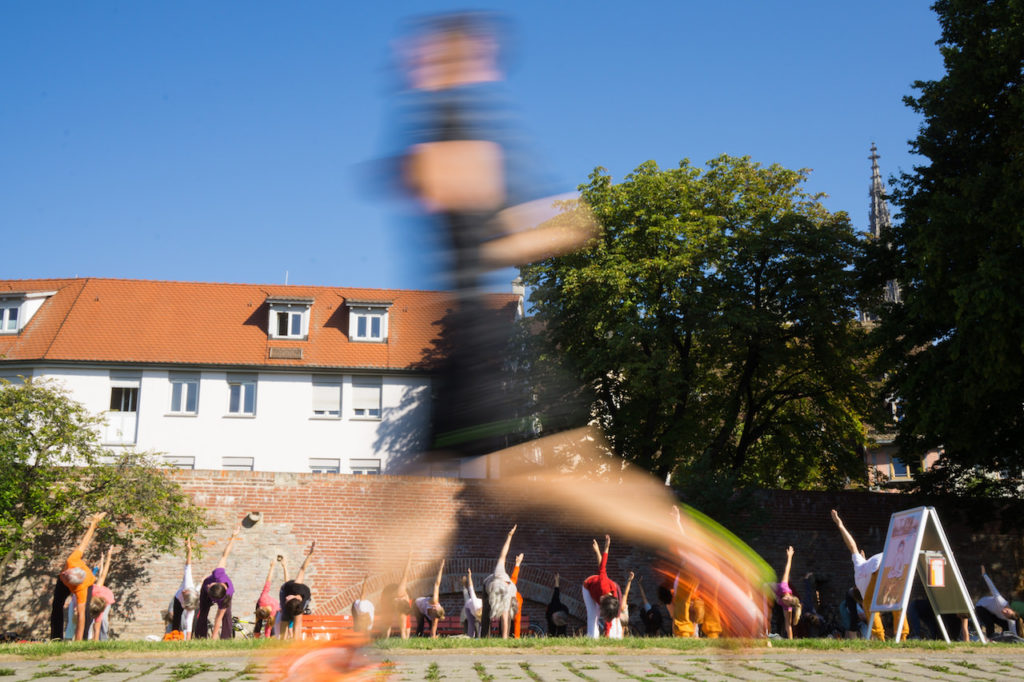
(17, 308)
(9, 318)
(289, 318)
(368, 321)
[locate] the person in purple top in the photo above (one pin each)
(217, 590)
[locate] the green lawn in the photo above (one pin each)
(110, 649)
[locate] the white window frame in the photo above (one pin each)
(325, 390)
(295, 312)
(237, 463)
(364, 467)
(363, 407)
(7, 312)
(247, 385)
(892, 469)
(184, 381)
(321, 465)
(367, 313)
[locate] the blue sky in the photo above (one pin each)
(232, 141)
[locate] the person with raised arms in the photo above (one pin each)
(501, 591)
(217, 590)
(294, 598)
(430, 609)
(75, 580)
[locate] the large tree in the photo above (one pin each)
(710, 328)
(954, 349)
(55, 474)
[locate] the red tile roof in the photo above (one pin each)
(199, 323)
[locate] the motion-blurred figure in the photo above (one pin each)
(464, 161)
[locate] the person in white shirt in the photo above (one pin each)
(473, 607)
(995, 610)
(362, 611)
(186, 600)
(865, 575)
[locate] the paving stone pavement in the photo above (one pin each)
(566, 666)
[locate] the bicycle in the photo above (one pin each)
(238, 627)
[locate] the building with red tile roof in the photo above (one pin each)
(212, 375)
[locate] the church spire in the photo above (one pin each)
(880, 220)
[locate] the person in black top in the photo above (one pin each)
(557, 614)
(294, 598)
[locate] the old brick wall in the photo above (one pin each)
(355, 521)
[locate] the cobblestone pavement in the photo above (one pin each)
(484, 666)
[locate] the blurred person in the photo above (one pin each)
(362, 611)
(557, 614)
(75, 580)
(294, 598)
(430, 609)
(395, 599)
(217, 590)
(463, 160)
(865, 575)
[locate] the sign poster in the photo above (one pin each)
(901, 548)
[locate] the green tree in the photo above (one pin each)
(710, 327)
(954, 349)
(55, 474)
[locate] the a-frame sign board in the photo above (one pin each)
(916, 538)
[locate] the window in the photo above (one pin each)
(124, 399)
(184, 393)
(237, 463)
(326, 397)
(364, 467)
(9, 319)
(368, 321)
(899, 468)
(289, 318)
(122, 411)
(325, 466)
(179, 462)
(242, 395)
(366, 397)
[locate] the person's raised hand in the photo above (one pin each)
(789, 552)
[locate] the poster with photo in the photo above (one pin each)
(902, 545)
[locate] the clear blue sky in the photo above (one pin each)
(230, 141)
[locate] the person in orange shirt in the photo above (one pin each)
(76, 579)
(518, 618)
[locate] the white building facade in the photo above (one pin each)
(240, 377)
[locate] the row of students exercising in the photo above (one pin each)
(190, 608)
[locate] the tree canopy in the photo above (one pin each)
(954, 349)
(710, 328)
(56, 474)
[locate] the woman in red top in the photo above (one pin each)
(601, 595)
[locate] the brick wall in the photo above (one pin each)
(355, 520)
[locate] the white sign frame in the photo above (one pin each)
(913, 534)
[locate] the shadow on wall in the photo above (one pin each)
(37, 575)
